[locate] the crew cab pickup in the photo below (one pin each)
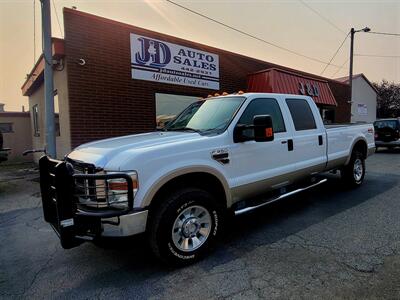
(221, 155)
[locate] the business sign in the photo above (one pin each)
(159, 61)
(309, 89)
(362, 109)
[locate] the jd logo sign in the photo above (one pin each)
(153, 53)
(165, 62)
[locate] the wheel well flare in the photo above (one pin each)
(201, 180)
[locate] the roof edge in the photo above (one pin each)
(37, 70)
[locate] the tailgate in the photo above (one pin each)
(385, 134)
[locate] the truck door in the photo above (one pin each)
(309, 136)
(260, 166)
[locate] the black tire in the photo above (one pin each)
(353, 174)
(163, 236)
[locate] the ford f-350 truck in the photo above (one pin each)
(221, 155)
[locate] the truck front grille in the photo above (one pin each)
(89, 192)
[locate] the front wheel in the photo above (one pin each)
(185, 226)
(353, 174)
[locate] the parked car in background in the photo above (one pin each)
(228, 154)
(387, 133)
(3, 152)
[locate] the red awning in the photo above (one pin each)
(285, 82)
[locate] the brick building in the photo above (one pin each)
(106, 86)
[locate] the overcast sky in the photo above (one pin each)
(295, 25)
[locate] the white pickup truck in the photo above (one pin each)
(221, 155)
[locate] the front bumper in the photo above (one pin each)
(75, 223)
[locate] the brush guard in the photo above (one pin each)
(73, 222)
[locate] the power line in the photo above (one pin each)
(340, 67)
(384, 33)
(322, 16)
(249, 35)
(376, 55)
(58, 20)
(334, 55)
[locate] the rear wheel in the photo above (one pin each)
(353, 173)
(185, 226)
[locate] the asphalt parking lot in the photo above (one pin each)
(329, 242)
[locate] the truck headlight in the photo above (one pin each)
(117, 195)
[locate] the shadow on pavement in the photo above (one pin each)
(273, 222)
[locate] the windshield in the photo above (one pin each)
(208, 115)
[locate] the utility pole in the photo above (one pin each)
(352, 32)
(48, 79)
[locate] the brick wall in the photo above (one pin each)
(342, 96)
(105, 101)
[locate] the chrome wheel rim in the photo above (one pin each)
(358, 169)
(191, 228)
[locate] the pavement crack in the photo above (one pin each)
(44, 266)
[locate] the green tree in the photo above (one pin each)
(388, 102)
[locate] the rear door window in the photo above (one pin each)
(301, 113)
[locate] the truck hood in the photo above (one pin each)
(100, 152)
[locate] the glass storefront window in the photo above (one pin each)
(168, 106)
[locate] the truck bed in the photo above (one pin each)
(341, 137)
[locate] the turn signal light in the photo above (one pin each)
(269, 132)
(120, 185)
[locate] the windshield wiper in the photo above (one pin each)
(184, 129)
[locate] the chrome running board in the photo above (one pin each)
(280, 197)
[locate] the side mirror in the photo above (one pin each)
(263, 130)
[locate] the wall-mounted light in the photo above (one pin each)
(81, 62)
